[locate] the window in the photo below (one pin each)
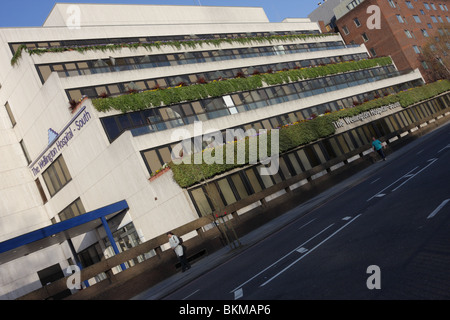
(440, 19)
(345, 29)
(10, 114)
(433, 18)
(409, 5)
(426, 5)
(422, 12)
(448, 19)
(429, 26)
(56, 176)
(399, 18)
(41, 190)
(74, 209)
(433, 6)
(417, 19)
(365, 37)
(424, 32)
(373, 52)
(25, 151)
(416, 49)
(357, 23)
(391, 3)
(408, 34)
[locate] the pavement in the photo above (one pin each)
(208, 263)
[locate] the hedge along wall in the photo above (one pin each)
(178, 44)
(159, 97)
(297, 134)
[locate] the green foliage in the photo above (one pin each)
(186, 44)
(158, 97)
(302, 133)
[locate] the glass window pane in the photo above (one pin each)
(266, 179)
(319, 153)
(301, 154)
(295, 163)
(214, 196)
(152, 160)
(111, 127)
(48, 183)
(253, 180)
(45, 72)
(284, 168)
(165, 154)
(239, 185)
(201, 201)
(226, 191)
(59, 172)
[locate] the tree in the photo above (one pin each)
(435, 55)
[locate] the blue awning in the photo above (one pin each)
(57, 233)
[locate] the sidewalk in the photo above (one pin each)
(213, 260)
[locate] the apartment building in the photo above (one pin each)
(397, 28)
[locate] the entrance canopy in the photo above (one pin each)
(57, 233)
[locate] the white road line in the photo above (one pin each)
(375, 181)
(323, 241)
(420, 151)
(242, 284)
(410, 177)
(447, 146)
(306, 224)
(439, 208)
(378, 194)
(191, 294)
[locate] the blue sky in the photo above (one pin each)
(32, 13)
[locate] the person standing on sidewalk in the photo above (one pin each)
(176, 245)
(378, 147)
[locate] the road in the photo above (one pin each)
(387, 237)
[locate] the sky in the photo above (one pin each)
(32, 13)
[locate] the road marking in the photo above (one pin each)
(238, 294)
(302, 250)
(439, 208)
(191, 294)
(380, 192)
(346, 218)
(447, 146)
(267, 268)
(420, 151)
(306, 224)
(375, 181)
(410, 177)
(323, 241)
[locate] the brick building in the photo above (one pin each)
(404, 27)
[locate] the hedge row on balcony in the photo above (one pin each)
(178, 44)
(298, 134)
(158, 97)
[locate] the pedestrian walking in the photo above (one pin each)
(180, 251)
(378, 147)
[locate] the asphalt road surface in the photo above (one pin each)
(388, 237)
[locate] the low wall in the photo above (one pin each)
(134, 280)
